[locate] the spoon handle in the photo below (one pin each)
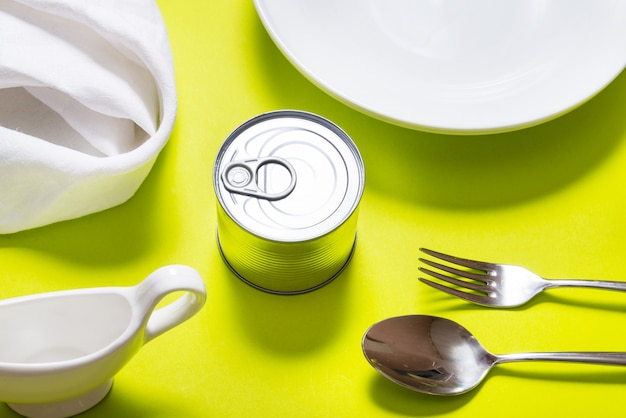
(610, 358)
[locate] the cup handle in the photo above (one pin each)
(159, 284)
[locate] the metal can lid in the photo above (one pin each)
(289, 176)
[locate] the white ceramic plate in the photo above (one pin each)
(454, 66)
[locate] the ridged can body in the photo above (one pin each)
(288, 186)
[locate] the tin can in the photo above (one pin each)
(288, 186)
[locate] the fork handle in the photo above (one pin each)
(596, 284)
(591, 357)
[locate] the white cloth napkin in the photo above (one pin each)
(87, 101)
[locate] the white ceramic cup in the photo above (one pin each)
(60, 350)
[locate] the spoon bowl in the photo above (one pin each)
(437, 356)
(427, 354)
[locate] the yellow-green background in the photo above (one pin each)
(551, 198)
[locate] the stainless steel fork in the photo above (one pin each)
(495, 285)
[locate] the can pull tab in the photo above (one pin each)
(242, 177)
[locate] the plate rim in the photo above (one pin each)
(263, 10)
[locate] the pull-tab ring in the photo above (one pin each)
(242, 177)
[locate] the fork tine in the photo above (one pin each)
(454, 281)
(473, 264)
(470, 297)
(463, 273)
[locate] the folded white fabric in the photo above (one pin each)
(87, 101)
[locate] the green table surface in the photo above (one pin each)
(551, 198)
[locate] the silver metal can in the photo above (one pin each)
(288, 186)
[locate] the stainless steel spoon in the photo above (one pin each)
(438, 356)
